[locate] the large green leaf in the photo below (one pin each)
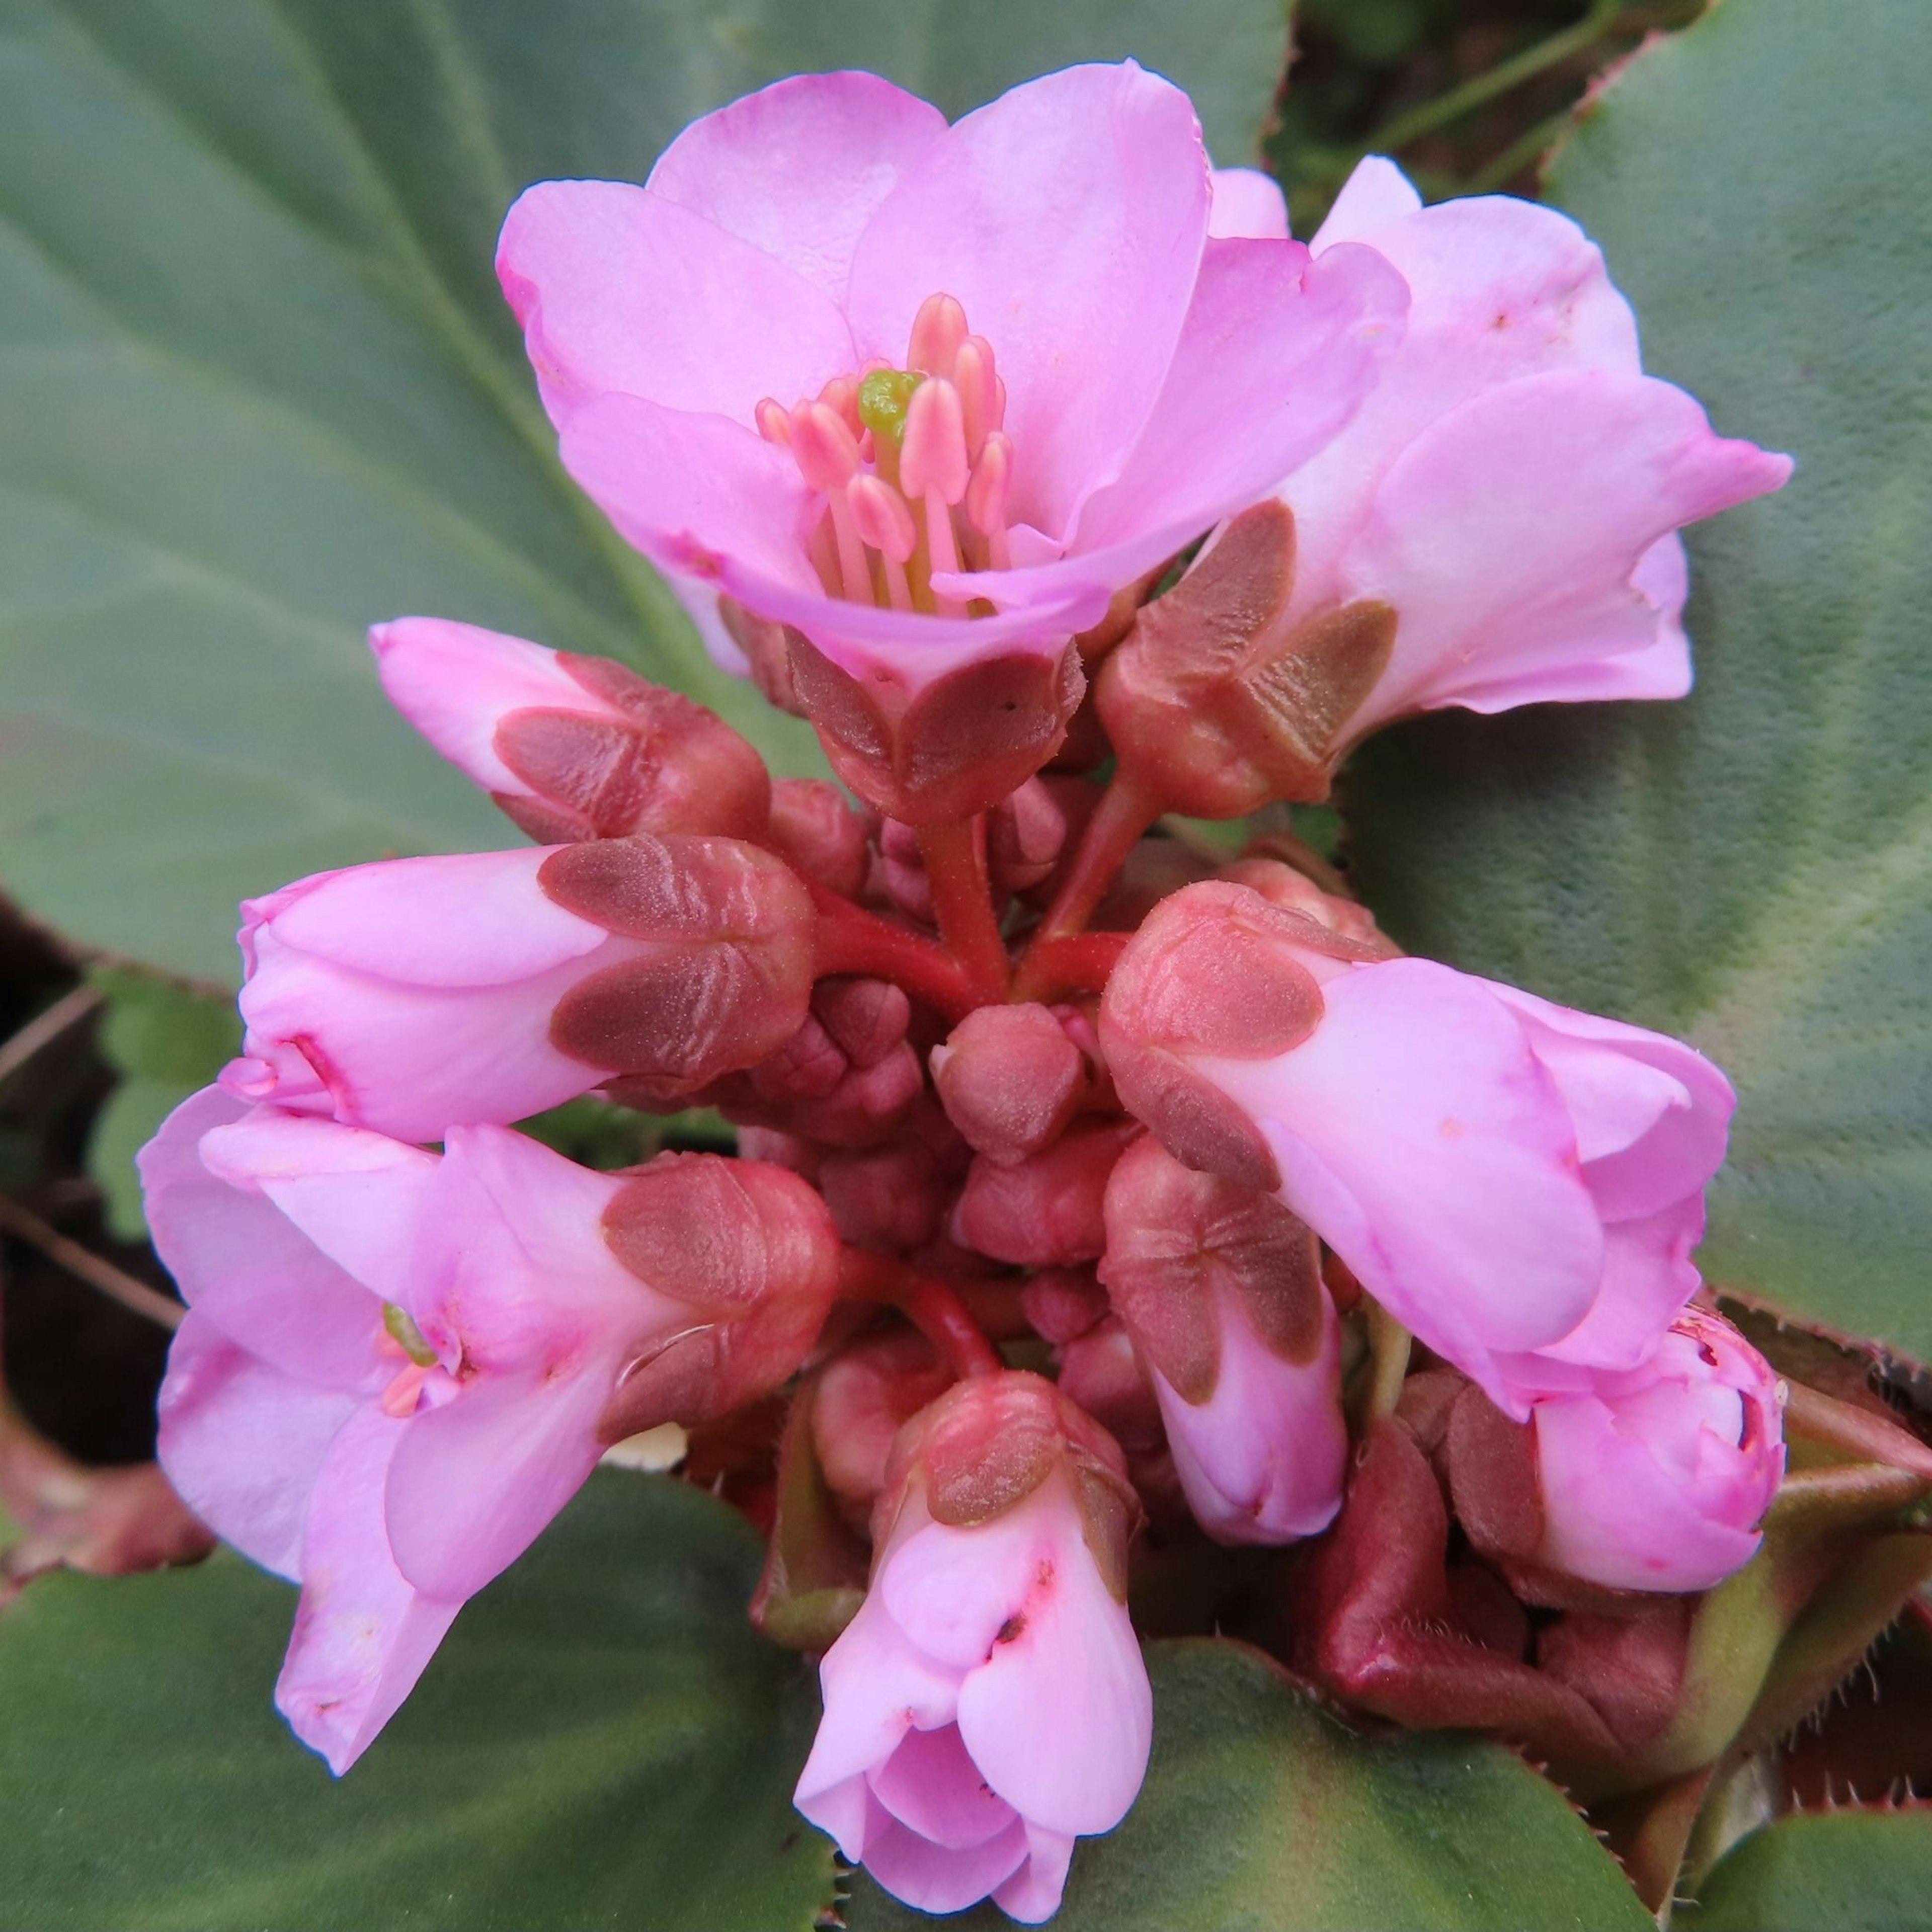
(257, 389)
(1262, 1813)
(1752, 868)
(603, 1740)
(1848, 1871)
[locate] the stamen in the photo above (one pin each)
(774, 421)
(400, 1398)
(884, 522)
(841, 394)
(828, 459)
(982, 395)
(986, 496)
(933, 464)
(937, 331)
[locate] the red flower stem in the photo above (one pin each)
(1126, 811)
(1081, 963)
(955, 852)
(851, 940)
(935, 1309)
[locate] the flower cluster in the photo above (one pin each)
(1095, 1191)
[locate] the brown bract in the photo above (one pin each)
(1214, 705)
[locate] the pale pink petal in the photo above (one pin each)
(1419, 1136)
(1247, 203)
(1613, 1515)
(932, 1786)
(475, 1480)
(619, 290)
(243, 1268)
(362, 1637)
(700, 599)
(1277, 352)
(953, 1589)
(1060, 1717)
(1032, 1894)
(1507, 535)
(1069, 218)
(359, 1197)
(241, 1443)
(1647, 1277)
(1375, 194)
(455, 683)
(877, 1685)
(930, 1879)
(459, 918)
(800, 167)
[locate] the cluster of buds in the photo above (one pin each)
(1095, 1193)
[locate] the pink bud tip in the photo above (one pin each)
(826, 450)
(881, 518)
(986, 494)
(932, 461)
(937, 331)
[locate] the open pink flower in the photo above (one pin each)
(931, 395)
(397, 1366)
(411, 994)
(1520, 1184)
(1657, 1478)
(989, 1703)
(1513, 485)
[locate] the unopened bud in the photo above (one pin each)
(571, 747)
(863, 1396)
(1025, 836)
(815, 831)
(1044, 1211)
(1010, 1080)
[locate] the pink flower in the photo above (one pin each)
(1657, 1478)
(1520, 1185)
(397, 1367)
(409, 994)
(570, 747)
(1513, 485)
(1220, 1288)
(989, 1704)
(932, 395)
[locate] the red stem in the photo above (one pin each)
(851, 940)
(1126, 811)
(955, 852)
(935, 1309)
(1080, 963)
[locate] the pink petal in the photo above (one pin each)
(460, 918)
(243, 1268)
(1507, 535)
(951, 1590)
(1060, 1717)
(798, 168)
(359, 1197)
(454, 682)
(1419, 1136)
(241, 1443)
(1068, 217)
(474, 1481)
(362, 1637)
(619, 290)
(1247, 203)
(877, 1685)
(1277, 354)
(930, 1879)
(1375, 194)
(932, 1787)
(1032, 1894)
(1647, 1277)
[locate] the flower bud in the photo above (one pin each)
(863, 1396)
(1010, 1080)
(1026, 833)
(570, 747)
(815, 831)
(1220, 1288)
(1657, 1479)
(989, 1704)
(413, 994)
(1518, 1184)
(1044, 1211)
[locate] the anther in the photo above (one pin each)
(774, 421)
(933, 464)
(937, 331)
(986, 496)
(982, 395)
(883, 522)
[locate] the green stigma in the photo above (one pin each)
(882, 397)
(407, 1336)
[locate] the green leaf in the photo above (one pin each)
(1260, 1811)
(1751, 869)
(603, 1740)
(1849, 1871)
(165, 1040)
(259, 390)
